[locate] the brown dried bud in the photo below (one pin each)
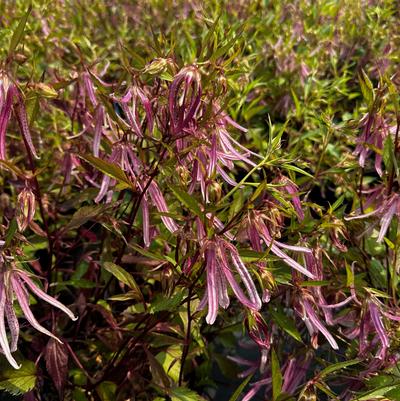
(25, 208)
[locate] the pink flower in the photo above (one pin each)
(11, 99)
(374, 132)
(258, 232)
(386, 208)
(220, 256)
(16, 283)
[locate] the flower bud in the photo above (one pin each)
(215, 192)
(26, 208)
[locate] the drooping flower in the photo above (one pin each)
(26, 208)
(258, 232)
(184, 98)
(374, 132)
(220, 257)
(306, 307)
(15, 284)
(386, 207)
(290, 188)
(12, 99)
(123, 155)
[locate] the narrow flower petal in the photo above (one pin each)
(377, 321)
(22, 298)
(23, 122)
(212, 293)
(99, 117)
(47, 298)
(4, 119)
(13, 324)
(3, 335)
(159, 201)
(146, 223)
(318, 325)
(386, 220)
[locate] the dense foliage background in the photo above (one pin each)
(211, 188)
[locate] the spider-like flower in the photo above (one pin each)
(11, 99)
(258, 232)
(386, 207)
(16, 284)
(124, 156)
(220, 256)
(374, 132)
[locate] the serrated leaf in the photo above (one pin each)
(285, 323)
(388, 153)
(19, 381)
(56, 357)
(83, 215)
(297, 169)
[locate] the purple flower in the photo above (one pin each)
(258, 232)
(220, 257)
(26, 208)
(11, 99)
(123, 155)
(386, 208)
(184, 98)
(15, 283)
(374, 132)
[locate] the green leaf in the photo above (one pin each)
(297, 169)
(18, 33)
(110, 169)
(106, 391)
(170, 360)
(240, 389)
(276, 375)
(19, 381)
(337, 366)
(367, 89)
(186, 199)
(122, 275)
(184, 394)
(285, 323)
(161, 302)
(388, 153)
(377, 392)
(83, 215)
(12, 229)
